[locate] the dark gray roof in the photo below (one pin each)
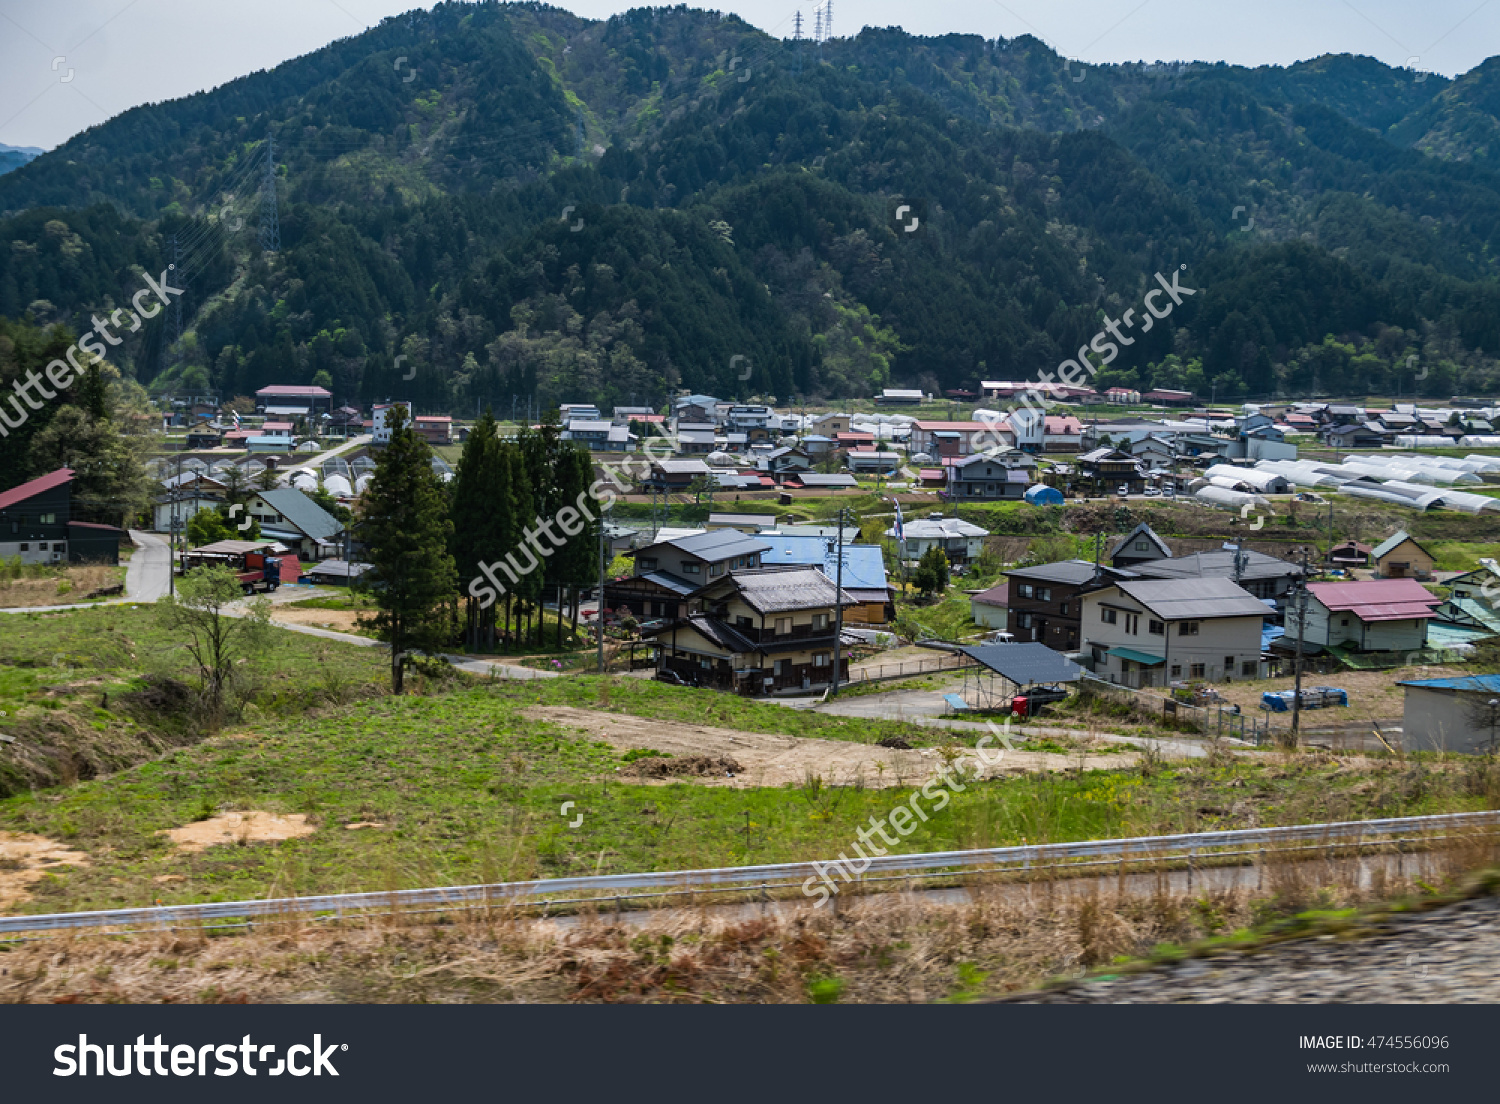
(716, 544)
(784, 589)
(1217, 564)
(668, 581)
(1074, 572)
(812, 479)
(306, 515)
(1183, 599)
(1024, 664)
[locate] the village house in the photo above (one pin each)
(1103, 471)
(1044, 600)
(293, 400)
(864, 572)
(1146, 632)
(37, 525)
(1375, 615)
(990, 608)
(1002, 477)
(961, 541)
(757, 631)
(1400, 557)
(669, 570)
(287, 515)
(1140, 545)
(1264, 576)
(950, 438)
(1452, 714)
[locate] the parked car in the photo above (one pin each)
(672, 678)
(1152, 492)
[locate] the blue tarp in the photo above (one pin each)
(1039, 494)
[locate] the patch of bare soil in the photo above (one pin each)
(768, 759)
(337, 620)
(59, 587)
(26, 859)
(252, 827)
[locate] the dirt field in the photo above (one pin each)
(1373, 695)
(25, 859)
(771, 760)
(337, 620)
(241, 828)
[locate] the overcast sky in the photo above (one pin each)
(66, 65)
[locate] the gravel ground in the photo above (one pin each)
(1448, 956)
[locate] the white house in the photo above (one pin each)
(1145, 632)
(959, 540)
(382, 431)
(1374, 615)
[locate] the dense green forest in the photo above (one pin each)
(506, 201)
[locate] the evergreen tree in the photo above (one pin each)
(576, 563)
(931, 576)
(482, 517)
(406, 530)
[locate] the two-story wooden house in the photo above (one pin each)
(667, 572)
(1375, 615)
(1044, 601)
(1002, 476)
(757, 631)
(1104, 471)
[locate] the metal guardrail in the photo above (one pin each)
(610, 887)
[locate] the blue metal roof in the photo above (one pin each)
(1489, 684)
(864, 565)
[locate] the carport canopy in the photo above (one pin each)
(1025, 664)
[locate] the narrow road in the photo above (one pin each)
(146, 578)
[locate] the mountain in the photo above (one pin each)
(13, 157)
(503, 200)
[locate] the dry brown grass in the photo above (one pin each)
(893, 947)
(64, 585)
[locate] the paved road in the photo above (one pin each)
(150, 567)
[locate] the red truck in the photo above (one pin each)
(258, 572)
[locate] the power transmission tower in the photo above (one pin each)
(176, 318)
(270, 224)
(797, 38)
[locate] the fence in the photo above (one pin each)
(1238, 845)
(878, 672)
(1213, 719)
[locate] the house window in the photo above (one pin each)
(1188, 628)
(1176, 670)
(715, 570)
(25, 547)
(690, 568)
(742, 622)
(1044, 594)
(646, 563)
(1228, 664)
(778, 667)
(783, 626)
(1142, 546)
(1024, 590)
(1132, 623)
(820, 659)
(1344, 621)
(1197, 671)
(1064, 609)
(1247, 668)
(820, 622)
(1108, 616)
(48, 519)
(1155, 628)
(1023, 620)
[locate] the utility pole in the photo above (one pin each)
(1297, 663)
(603, 521)
(838, 605)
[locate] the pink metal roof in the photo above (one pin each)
(35, 487)
(1377, 599)
(296, 389)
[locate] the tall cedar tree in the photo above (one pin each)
(483, 520)
(522, 508)
(539, 454)
(407, 529)
(575, 564)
